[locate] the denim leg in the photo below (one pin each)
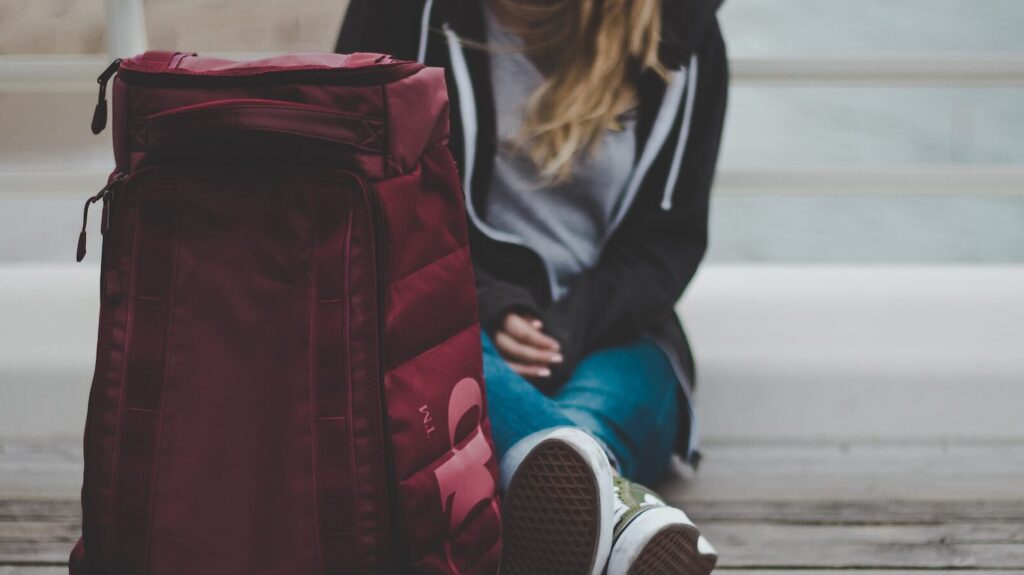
(627, 396)
(515, 406)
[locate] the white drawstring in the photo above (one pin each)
(689, 84)
(467, 109)
(468, 112)
(424, 30)
(684, 136)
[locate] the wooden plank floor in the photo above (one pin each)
(769, 509)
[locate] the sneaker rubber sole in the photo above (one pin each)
(555, 519)
(660, 543)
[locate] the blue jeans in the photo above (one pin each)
(626, 396)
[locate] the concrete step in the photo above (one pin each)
(859, 352)
(785, 353)
(41, 212)
(783, 112)
(48, 132)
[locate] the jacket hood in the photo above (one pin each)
(685, 24)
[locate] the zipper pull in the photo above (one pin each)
(99, 115)
(101, 195)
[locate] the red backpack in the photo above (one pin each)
(288, 374)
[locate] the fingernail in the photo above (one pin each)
(544, 372)
(537, 324)
(557, 358)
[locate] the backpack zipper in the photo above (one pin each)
(99, 115)
(104, 194)
(365, 76)
(380, 74)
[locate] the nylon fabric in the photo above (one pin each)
(288, 372)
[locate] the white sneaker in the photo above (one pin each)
(652, 538)
(558, 510)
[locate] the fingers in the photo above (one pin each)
(530, 371)
(514, 350)
(528, 331)
(526, 348)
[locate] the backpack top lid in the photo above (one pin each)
(184, 63)
(407, 98)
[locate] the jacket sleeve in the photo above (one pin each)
(384, 26)
(497, 297)
(393, 27)
(654, 254)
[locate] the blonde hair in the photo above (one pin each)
(591, 53)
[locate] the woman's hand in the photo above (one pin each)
(527, 349)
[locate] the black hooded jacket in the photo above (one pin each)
(653, 252)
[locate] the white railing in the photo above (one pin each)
(73, 73)
(126, 28)
(972, 71)
(923, 181)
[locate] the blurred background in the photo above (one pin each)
(858, 323)
(865, 279)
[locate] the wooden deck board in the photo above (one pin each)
(769, 509)
(858, 547)
(857, 472)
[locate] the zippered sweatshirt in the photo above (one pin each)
(655, 245)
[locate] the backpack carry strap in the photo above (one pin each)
(159, 60)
